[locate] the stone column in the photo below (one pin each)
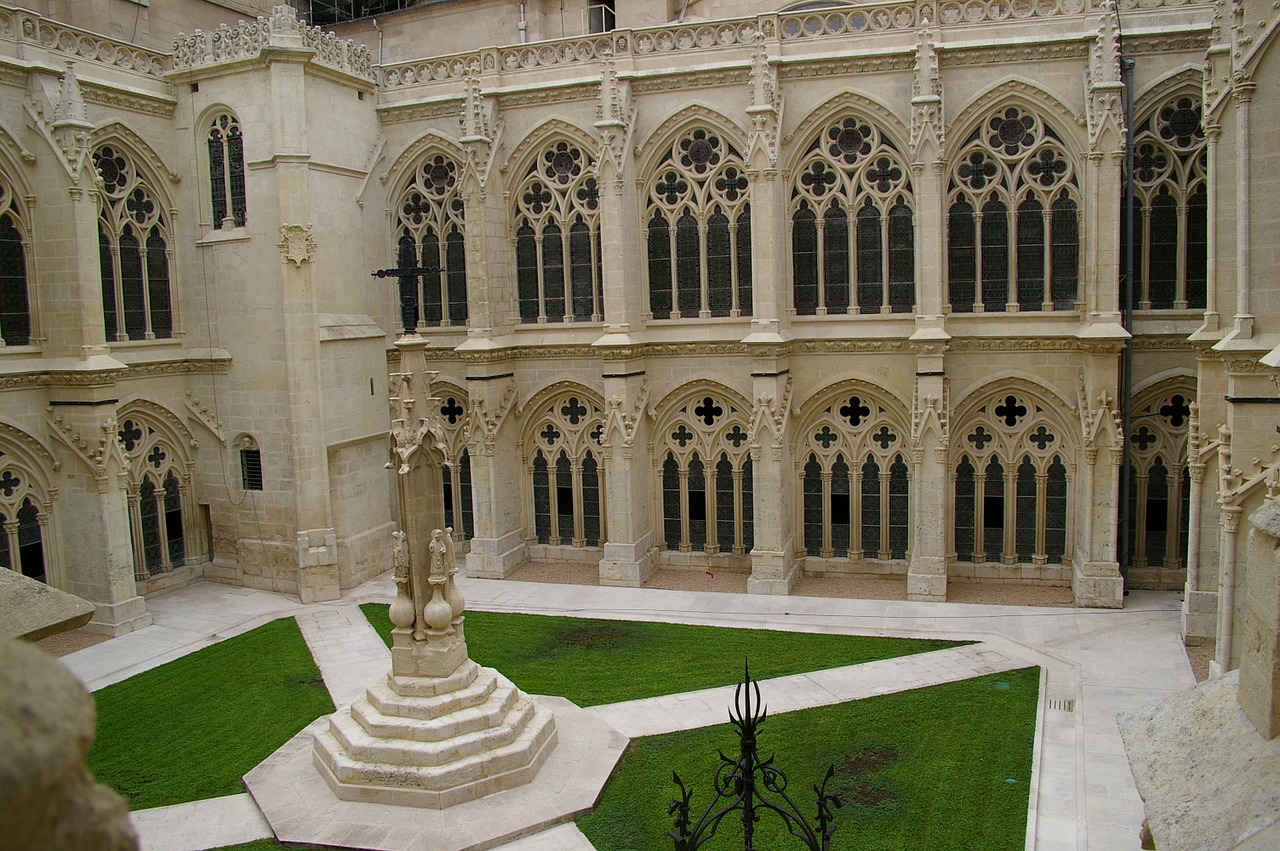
(1260, 655)
(930, 514)
(773, 567)
(498, 547)
(1094, 497)
(628, 478)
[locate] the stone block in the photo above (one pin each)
(31, 610)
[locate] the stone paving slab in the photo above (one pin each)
(212, 823)
(347, 649)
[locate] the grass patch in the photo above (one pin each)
(273, 845)
(191, 728)
(943, 768)
(594, 662)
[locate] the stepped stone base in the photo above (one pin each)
(301, 805)
(434, 741)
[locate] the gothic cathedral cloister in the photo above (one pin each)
(825, 287)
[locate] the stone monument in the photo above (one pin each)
(439, 729)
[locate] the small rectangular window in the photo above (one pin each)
(251, 469)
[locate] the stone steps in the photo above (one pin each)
(378, 738)
(383, 698)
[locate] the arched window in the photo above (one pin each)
(1010, 486)
(856, 488)
(1171, 211)
(557, 222)
(706, 482)
(226, 172)
(159, 497)
(699, 231)
(23, 516)
(852, 199)
(568, 474)
(1159, 483)
(432, 235)
(133, 246)
(15, 304)
(1013, 232)
(455, 476)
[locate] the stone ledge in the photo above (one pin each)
(31, 610)
(1208, 780)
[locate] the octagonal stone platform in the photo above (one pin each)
(301, 805)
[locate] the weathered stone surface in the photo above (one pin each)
(50, 800)
(32, 610)
(1208, 779)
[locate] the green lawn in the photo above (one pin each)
(594, 662)
(191, 728)
(944, 768)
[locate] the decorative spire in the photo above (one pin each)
(71, 125)
(927, 128)
(766, 104)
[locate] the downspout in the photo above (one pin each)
(1126, 321)
(379, 29)
(522, 26)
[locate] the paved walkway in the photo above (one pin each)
(1095, 664)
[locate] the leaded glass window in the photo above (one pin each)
(567, 472)
(852, 224)
(706, 478)
(1012, 226)
(431, 234)
(15, 304)
(134, 251)
(557, 226)
(226, 172)
(1159, 481)
(1170, 226)
(855, 481)
(1011, 485)
(699, 230)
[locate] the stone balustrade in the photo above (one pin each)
(21, 25)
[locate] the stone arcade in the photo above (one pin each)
(780, 289)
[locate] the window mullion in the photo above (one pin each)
(1046, 232)
(1139, 556)
(1144, 295)
(735, 305)
(884, 512)
(122, 332)
(1010, 554)
(705, 296)
(1040, 554)
(885, 306)
(685, 546)
(827, 519)
(820, 232)
(979, 305)
(579, 524)
(979, 513)
(855, 512)
(1180, 283)
(539, 236)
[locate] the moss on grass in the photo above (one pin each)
(594, 662)
(943, 768)
(191, 728)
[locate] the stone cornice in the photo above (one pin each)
(104, 378)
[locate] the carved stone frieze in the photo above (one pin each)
(130, 101)
(1003, 54)
(690, 80)
(904, 61)
(421, 111)
(542, 97)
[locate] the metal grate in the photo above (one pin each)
(1062, 704)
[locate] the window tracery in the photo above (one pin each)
(431, 222)
(24, 518)
(567, 470)
(134, 252)
(1013, 233)
(706, 479)
(455, 476)
(226, 171)
(1160, 482)
(160, 494)
(557, 220)
(1171, 215)
(853, 224)
(855, 482)
(15, 303)
(699, 230)
(1011, 485)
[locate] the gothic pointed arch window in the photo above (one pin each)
(1013, 228)
(161, 503)
(431, 234)
(699, 230)
(455, 475)
(559, 274)
(567, 470)
(852, 224)
(1170, 240)
(1159, 485)
(855, 482)
(705, 477)
(226, 171)
(134, 250)
(24, 520)
(1011, 485)
(15, 300)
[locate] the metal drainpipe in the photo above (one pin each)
(1126, 321)
(522, 27)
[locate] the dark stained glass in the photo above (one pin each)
(1162, 263)
(812, 500)
(870, 265)
(1064, 253)
(455, 256)
(835, 256)
(527, 273)
(964, 510)
(688, 266)
(902, 259)
(582, 271)
(541, 499)
(659, 267)
(15, 310)
(899, 509)
(961, 257)
(719, 265)
(553, 272)
(1030, 253)
(995, 256)
(1024, 534)
(804, 261)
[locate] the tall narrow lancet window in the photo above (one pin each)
(1171, 216)
(1159, 486)
(226, 172)
(455, 475)
(1013, 233)
(557, 227)
(705, 479)
(1010, 486)
(852, 224)
(699, 230)
(566, 468)
(23, 519)
(15, 301)
(431, 234)
(855, 484)
(160, 495)
(135, 252)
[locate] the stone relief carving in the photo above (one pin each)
(296, 244)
